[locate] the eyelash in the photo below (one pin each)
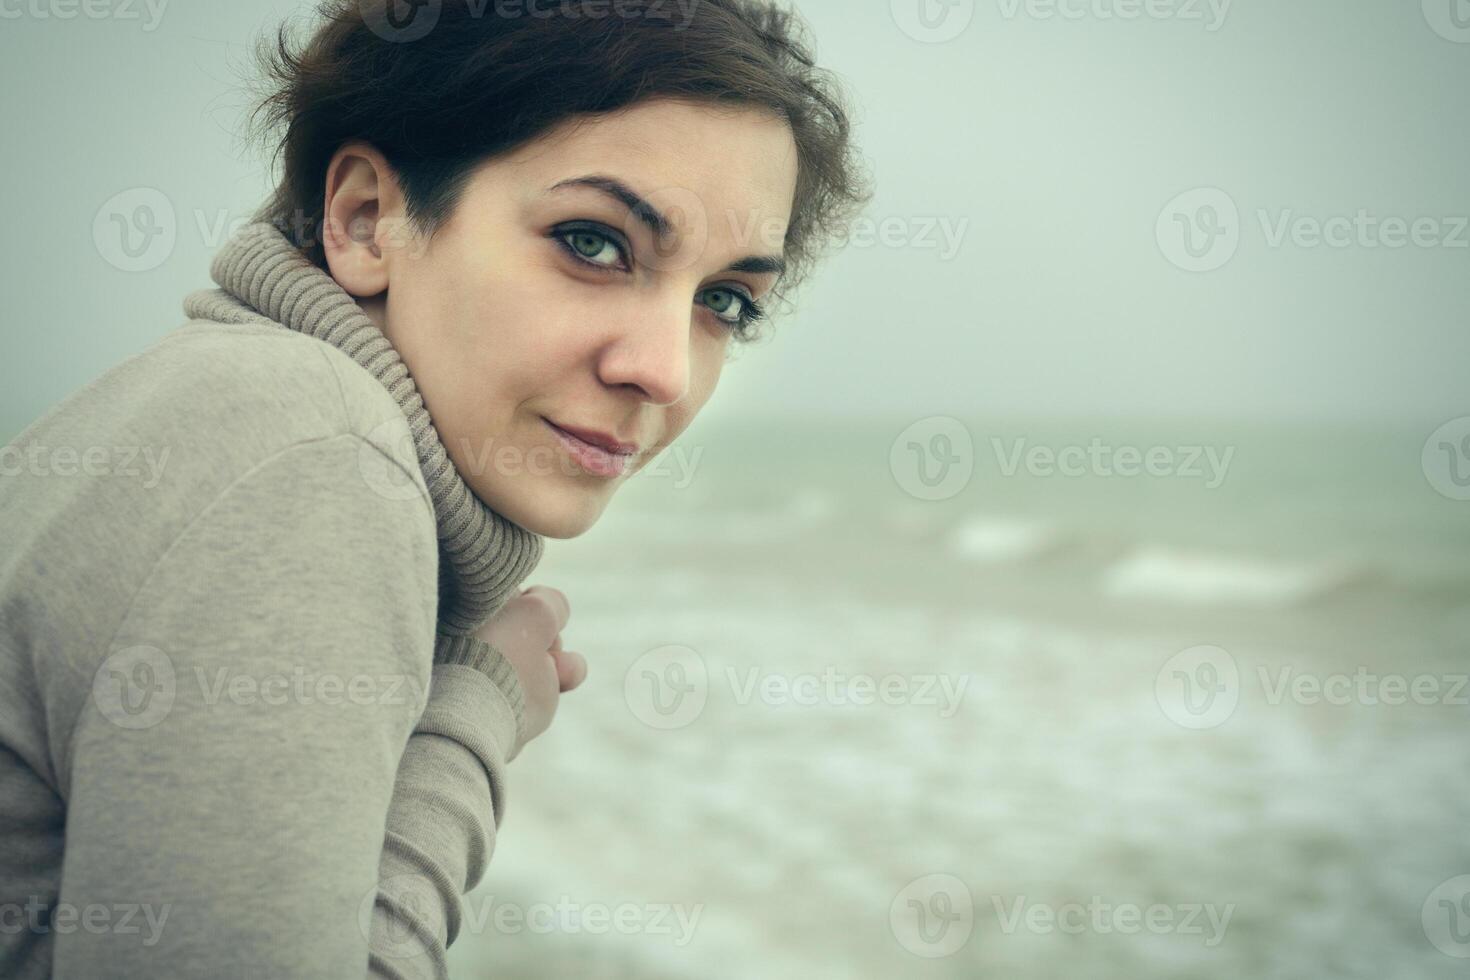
(750, 310)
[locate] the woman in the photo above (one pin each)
(255, 715)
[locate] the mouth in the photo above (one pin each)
(597, 453)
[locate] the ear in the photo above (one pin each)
(361, 203)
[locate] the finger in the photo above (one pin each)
(557, 600)
(571, 669)
(533, 618)
(548, 682)
(556, 643)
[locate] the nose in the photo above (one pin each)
(649, 351)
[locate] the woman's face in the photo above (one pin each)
(547, 300)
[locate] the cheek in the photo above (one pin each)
(456, 335)
(526, 330)
(708, 361)
(517, 334)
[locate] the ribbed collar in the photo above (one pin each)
(483, 557)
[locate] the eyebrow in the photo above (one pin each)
(660, 225)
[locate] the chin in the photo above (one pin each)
(565, 512)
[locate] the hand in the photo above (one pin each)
(527, 631)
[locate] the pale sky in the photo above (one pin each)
(1023, 167)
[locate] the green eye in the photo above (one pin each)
(589, 244)
(725, 294)
(723, 301)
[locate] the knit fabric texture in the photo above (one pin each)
(483, 556)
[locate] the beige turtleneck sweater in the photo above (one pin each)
(244, 730)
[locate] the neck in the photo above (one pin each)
(376, 309)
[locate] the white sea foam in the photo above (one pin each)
(1002, 539)
(1210, 579)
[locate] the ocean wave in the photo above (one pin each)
(990, 540)
(1214, 579)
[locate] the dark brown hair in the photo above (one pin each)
(460, 82)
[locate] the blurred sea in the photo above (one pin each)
(1164, 695)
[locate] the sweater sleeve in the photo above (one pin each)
(439, 843)
(272, 773)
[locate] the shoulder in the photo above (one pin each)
(258, 380)
(223, 445)
(210, 400)
(121, 468)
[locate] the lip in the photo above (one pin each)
(602, 440)
(593, 457)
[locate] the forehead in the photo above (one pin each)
(736, 165)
